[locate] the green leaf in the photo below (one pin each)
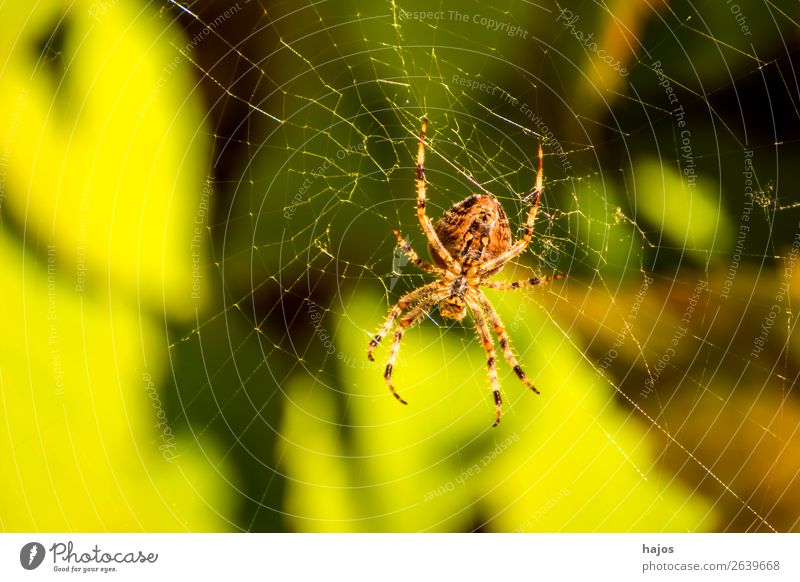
(567, 460)
(107, 152)
(682, 204)
(102, 183)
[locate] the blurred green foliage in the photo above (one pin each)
(151, 383)
(562, 461)
(687, 213)
(103, 166)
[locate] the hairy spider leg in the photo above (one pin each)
(421, 300)
(503, 340)
(522, 243)
(410, 319)
(491, 363)
(413, 256)
(424, 221)
(508, 286)
(395, 311)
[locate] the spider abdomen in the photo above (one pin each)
(470, 242)
(473, 231)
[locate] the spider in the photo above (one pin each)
(471, 242)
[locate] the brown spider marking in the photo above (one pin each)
(469, 243)
(474, 231)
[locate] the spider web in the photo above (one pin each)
(668, 203)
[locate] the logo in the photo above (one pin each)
(31, 555)
(399, 260)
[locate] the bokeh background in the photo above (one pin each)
(196, 203)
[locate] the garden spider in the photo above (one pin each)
(471, 242)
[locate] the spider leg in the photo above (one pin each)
(410, 319)
(505, 343)
(522, 243)
(395, 311)
(486, 339)
(508, 286)
(413, 257)
(424, 221)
